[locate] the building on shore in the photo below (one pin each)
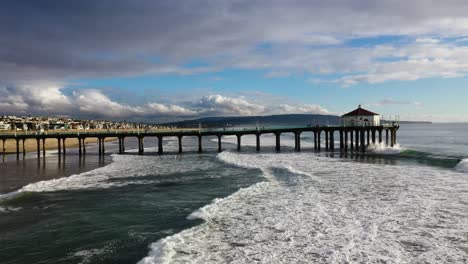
(360, 117)
(29, 123)
(5, 126)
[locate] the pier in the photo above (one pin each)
(350, 138)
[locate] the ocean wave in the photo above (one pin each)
(462, 166)
(8, 209)
(382, 148)
(124, 170)
(341, 212)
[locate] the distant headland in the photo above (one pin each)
(288, 119)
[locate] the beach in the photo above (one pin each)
(50, 144)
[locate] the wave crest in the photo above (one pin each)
(382, 148)
(462, 166)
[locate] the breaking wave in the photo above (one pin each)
(382, 148)
(124, 170)
(462, 166)
(328, 211)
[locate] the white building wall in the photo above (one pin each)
(361, 120)
(4, 126)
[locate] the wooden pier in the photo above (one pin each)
(350, 138)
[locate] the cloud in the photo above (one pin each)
(44, 98)
(223, 105)
(385, 102)
(300, 109)
(56, 41)
(93, 103)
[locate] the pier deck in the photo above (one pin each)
(350, 138)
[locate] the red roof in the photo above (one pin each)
(360, 112)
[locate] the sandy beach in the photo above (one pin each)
(51, 144)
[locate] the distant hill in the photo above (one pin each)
(407, 122)
(277, 120)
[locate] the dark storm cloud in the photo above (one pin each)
(45, 43)
(71, 39)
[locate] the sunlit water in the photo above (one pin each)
(403, 205)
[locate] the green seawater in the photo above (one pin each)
(112, 225)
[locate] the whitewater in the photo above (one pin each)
(324, 210)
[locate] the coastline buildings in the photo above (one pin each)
(361, 117)
(28, 123)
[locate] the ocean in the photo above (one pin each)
(407, 204)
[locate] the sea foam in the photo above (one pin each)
(338, 212)
(124, 170)
(382, 148)
(462, 166)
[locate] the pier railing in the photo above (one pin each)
(350, 137)
(179, 130)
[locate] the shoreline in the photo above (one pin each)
(50, 144)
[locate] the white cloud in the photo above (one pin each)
(170, 110)
(222, 105)
(385, 102)
(300, 109)
(43, 97)
(95, 104)
(427, 40)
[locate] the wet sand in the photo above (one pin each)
(50, 144)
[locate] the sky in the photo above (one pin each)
(171, 60)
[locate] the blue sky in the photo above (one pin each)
(161, 60)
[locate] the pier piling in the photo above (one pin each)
(24, 148)
(17, 149)
(319, 140)
(278, 141)
(160, 145)
(356, 139)
(350, 137)
(345, 140)
(368, 132)
(257, 145)
(43, 147)
(386, 137)
(38, 145)
(59, 146)
(179, 138)
(363, 140)
(315, 141)
(79, 147)
(220, 148)
(327, 143)
(200, 149)
(64, 146)
(141, 147)
(3, 149)
(298, 141)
